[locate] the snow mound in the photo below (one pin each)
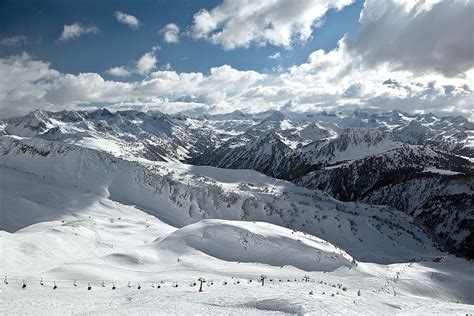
(256, 242)
(45, 246)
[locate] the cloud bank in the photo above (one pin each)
(418, 35)
(327, 81)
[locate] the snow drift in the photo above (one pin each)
(255, 242)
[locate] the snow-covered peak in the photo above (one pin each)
(414, 133)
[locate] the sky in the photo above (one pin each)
(252, 55)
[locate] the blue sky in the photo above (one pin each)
(214, 56)
(116, 44)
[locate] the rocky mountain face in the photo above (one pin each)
(421, 165)
(432, 186)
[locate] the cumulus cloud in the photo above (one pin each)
(119, 72)
(170, 33)
(143, 66)
(417, 35)
(16, 40)
(327, 81)
(240, 23)
(146, 63)
(344, 79)
(76, 30)
(127, 19)
(23, 84)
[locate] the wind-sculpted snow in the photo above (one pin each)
(255, 242)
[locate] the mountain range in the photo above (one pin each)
(413, 173)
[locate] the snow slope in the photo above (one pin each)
(393, 290)
(256, 242)
(179, 197)
(95, 240)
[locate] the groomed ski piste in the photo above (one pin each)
(83, 231)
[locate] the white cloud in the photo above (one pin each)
(327, 81)
(23, 84)
(277, 55)
(166, 66)
(170, 33)
(127, 19)
(417, 35)
(240, 23)
(76, 30)
(16, 40)
(146, 63)
(119, 72)
(143, 66)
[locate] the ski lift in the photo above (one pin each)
(202, 280)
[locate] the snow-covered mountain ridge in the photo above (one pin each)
(378, 158)
(183, 194)
(194, 136)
